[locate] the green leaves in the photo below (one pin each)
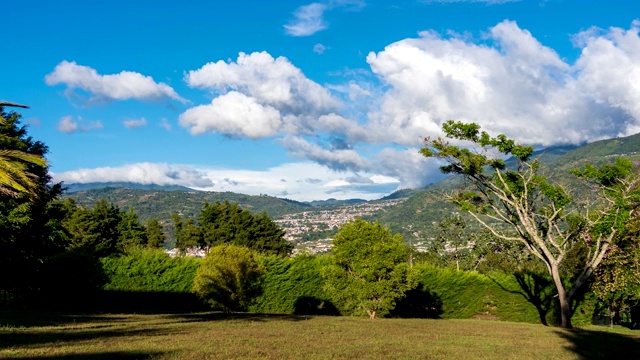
(229, 278)
(17, 160)
(369, 269)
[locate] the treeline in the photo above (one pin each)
(225, 223)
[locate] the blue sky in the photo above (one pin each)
(309, 100)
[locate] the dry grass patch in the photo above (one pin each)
(250, 336)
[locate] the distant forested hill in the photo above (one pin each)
(417, 217)
(161, 204)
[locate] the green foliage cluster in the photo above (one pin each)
(105, 229)
(226, 223)
(149, 270)
(525, 296)
(532, 210)
(294, 286)
(29, 222)
(369, 269)
(229, 278)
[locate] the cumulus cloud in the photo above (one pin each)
(122, 86)
(260, 97)
(307, 20)
(516, 86)
(135, 123)
(233, 114)
(609, 72)
(273, 82)
(408, 166)
(142, 173)
(336, 159)
(68, 125)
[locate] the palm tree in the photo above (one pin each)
(15, 177)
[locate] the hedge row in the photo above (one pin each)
(295, 286)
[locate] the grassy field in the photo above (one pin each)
(249, 336)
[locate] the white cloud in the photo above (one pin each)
(123, 86)
(303, 181)
(307, 20)
(336, 159)
(233, 114)
(135, 123)
(142, 173)
(517, 86)
(68, 125)
(319, 48)
(273, 82)
(609, 72)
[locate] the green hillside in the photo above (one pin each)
(417, 217)
(161, 204)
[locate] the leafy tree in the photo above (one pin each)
(188, 235)
(518, 203)
(155, 234)
(16, 159)
(369, 270)
(225, 223)
(617, 279)
(132, 233)
(229, 277)
(95, 230)
(29, 221)
(452, 239)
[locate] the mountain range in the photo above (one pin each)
(416, 216)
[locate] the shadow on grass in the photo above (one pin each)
(309, 305)
(588, 344)
(536, 289)
(127, 355)
(34, 337)
(26, 319)
(26, 328)
(220, 316)
(418, 303)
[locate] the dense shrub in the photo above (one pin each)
(522, 297)
(150, 270)
(229, 278)
(294, 286)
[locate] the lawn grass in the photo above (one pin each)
(249, 336)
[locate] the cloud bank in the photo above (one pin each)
(123, 86)
(303, 181)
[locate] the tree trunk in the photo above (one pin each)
(563, 296)
(372, 314)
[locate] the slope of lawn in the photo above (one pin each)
(249, 336)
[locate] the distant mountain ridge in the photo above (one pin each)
(417, 216)
(75, 187)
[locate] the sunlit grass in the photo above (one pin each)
(247, 336)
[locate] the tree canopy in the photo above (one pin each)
(229, 277)
(18, 158)
(369, 271)
(226, 223)
(516, 202)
